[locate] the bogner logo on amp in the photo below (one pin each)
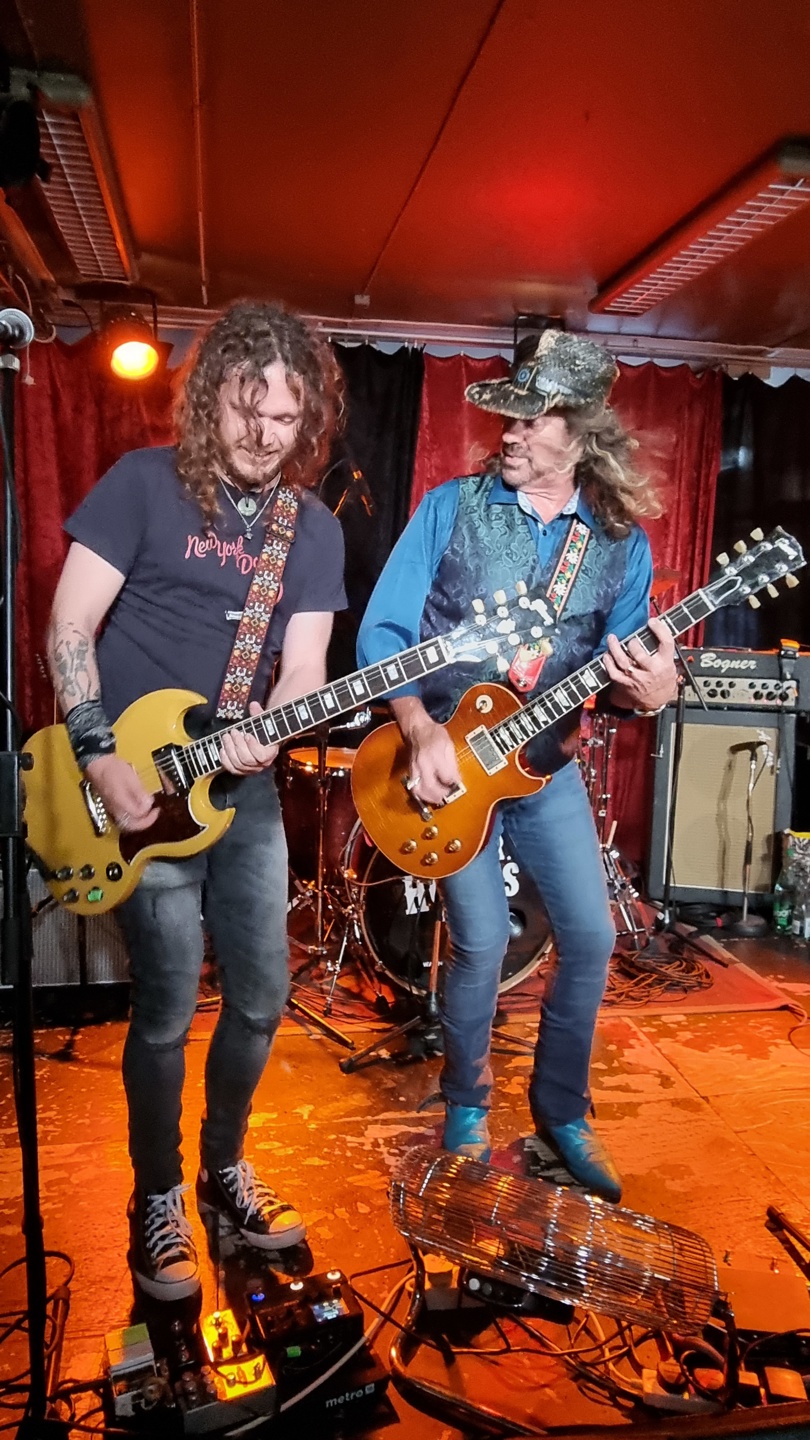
(710, 660)
(762, 679)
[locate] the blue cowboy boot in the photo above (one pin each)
(584, 1157)
(465, 1132)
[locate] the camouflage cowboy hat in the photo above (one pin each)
(551, 371)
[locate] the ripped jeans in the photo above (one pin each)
(238, 892)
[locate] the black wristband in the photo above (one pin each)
(89, 732)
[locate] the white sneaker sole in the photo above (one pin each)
(167, 1289)
(283, 1240)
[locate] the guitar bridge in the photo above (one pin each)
(96, 808)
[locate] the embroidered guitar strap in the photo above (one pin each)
(524, 672)
(259, 606)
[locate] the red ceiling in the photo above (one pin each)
(581, 131)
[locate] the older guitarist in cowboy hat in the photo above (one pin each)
(560, 507)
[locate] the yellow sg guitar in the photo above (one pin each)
(490, 728)
(91, 866)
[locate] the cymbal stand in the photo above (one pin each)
(623, 897)
(318, 892)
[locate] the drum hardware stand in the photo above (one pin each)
(427, 1021)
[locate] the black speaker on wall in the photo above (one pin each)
(708, 844)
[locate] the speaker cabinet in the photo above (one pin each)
(72, 949)
(708, 845)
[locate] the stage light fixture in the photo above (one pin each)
(769, 191)
(129, 345)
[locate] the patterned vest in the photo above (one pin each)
(490, 548)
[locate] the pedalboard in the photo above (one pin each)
(300, 1323)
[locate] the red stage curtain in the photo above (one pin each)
(72, 423)
(677, 416)
(454, 437)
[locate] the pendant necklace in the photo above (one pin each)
(247, 507)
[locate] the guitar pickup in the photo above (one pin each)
(96, 808)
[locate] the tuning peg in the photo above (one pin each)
(525, 603)
(478, 605)
(499, 596)
(491, 647)
(503, 611)
(520, 587)
(772, 590)
(536, 632)
(480, 619)
(757, 534)
(722, 559)
(514, 639)
(791, 582)
(503, 665)
(741, 547)
(754, 602)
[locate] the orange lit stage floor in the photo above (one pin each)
(705, 1114)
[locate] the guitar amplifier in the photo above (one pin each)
(71, 949)
(749, 679)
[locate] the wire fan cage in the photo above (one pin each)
(554, 1241)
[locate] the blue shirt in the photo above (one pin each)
(392, 618)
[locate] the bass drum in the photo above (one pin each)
(397, 915)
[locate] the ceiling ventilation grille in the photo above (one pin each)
(770, 191)
(76, 200)
(771, 205)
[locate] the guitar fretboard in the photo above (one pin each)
(201, 757)
(508, 735)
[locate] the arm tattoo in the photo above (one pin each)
(72, 656)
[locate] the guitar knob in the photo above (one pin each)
(408, 847)
(431, 858)
(453, 847)
(70, 897)
(87, 872)
(65, 872)
(114, 871)
(430, 833)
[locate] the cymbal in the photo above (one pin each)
(663, 578)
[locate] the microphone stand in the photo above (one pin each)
(17, 959)
(749, 926)
(666, 922)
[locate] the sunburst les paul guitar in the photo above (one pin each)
(490, 728)
(90, 865)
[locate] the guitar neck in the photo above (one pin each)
(532, 719)
(296, 717)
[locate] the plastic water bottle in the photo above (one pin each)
(783, 898)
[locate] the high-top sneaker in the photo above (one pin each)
(162, 1256)
(253, 1207)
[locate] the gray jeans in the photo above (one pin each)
(237, 891)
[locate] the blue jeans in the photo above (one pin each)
(554, 837)
(238, 892)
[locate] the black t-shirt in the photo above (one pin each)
(176, 616)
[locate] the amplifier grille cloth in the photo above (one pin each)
(710, 822)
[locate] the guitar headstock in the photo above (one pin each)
(499, 626)
(772, 557)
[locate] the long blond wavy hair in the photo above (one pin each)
(248, 337)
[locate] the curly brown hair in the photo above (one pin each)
(248, 337)
(616, 491)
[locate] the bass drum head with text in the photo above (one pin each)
(398, 914)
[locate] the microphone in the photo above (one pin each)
(752, 745)
(16, 329)
(359, 480)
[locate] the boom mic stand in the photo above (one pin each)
(16, 938)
